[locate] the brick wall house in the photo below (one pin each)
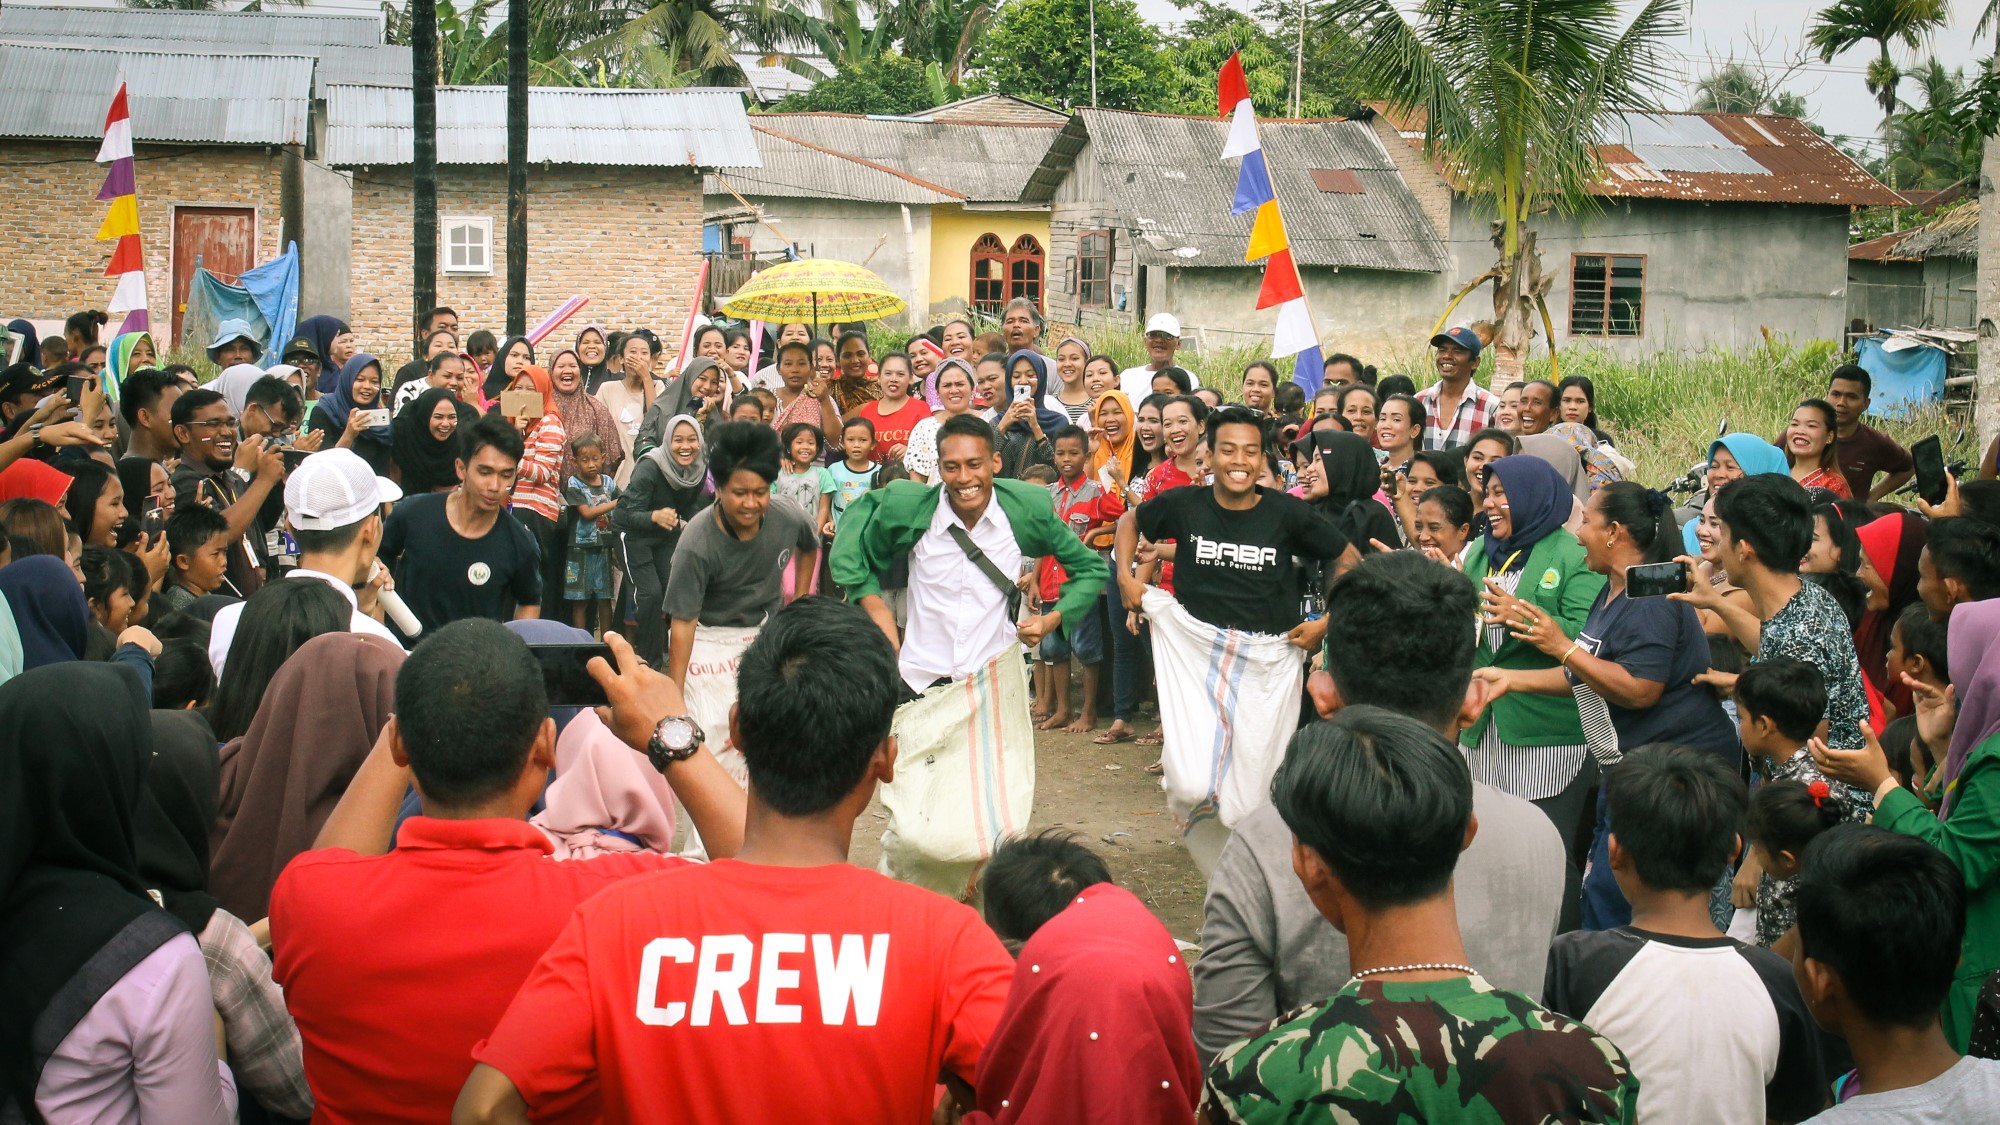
(219, 178)
(628, 238)
(614, 203)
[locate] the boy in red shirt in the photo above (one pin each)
(784, 984)
(395, 964)
(1091, 510)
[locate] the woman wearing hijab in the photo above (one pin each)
(1730, 457)
(314, 727)
(701, 392)
(669, 486)
(1966, 824)
(51, 617)
(1102, 975)
(173, 822)
(1024, 424)
(31, 343)
(1345, 485)
(129, 351)
(593, 352)
(1114, 436)
(323, 331)
(357, 388)
(515, 354)
(1528, 568)
(582, 413)
(1599, 470)
(429, 441)
(107, 1014)
(1892, 544)
(605, 799)
(953, 382)
(234, 384)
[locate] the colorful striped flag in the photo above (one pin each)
(1283, 288)
(121, 221)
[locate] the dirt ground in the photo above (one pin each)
(1105, 795)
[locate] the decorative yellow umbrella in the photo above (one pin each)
(813, 288)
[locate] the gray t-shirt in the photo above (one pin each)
(1968, 1092)
(718, 579)
(1265, 951)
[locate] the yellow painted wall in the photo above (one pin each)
(954, 230)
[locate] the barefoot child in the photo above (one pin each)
(1090, 511)
(803, 483)
(587, 572)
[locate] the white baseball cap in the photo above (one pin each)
(1165, 323)
(335, 488)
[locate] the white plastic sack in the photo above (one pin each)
(965, 777)
(1229, 704)
(710, 695)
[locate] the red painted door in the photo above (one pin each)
(223, 240)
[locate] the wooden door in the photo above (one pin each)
(223, 240)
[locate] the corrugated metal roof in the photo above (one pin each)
(986, 163)
(794, 169)
(276, 32)
(1004, 109)
(1719, 157)
(1163, 174)
(704, 126)
(377, 65)
(771, 83)
(207, 99)
(1887, 248)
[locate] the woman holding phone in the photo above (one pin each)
(355, 416)
(1631, 668)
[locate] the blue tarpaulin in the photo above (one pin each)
(266, 297)
(1903, 378)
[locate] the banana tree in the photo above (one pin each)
(1513, 96)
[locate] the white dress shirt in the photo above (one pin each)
(224, 629)
(958, 618)
(1137, 382)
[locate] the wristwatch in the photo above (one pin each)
(674, 740)
(35, 434)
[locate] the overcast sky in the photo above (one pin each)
(1772, 31)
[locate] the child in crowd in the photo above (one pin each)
(1715, 1029)
(1779, 703)
(855, 472)
(767, 404)
(587, 571)
(1092, 512)
(747, 407)
(198, 552)
(480, 346)
(805, 485)
(1039, 704)
(1881, 924)
(1785, 816)
(1917, 649)
(896, 580)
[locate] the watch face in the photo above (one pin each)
(676, 732)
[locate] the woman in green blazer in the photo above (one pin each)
(1527, 566)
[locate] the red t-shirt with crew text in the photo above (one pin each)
(893, 429)
(744, 992)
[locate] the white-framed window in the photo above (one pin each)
(466, 242)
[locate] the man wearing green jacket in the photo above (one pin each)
(959, 618)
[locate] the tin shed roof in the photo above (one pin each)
(179, 98)
(796, 169)
(985, 163)
(1719, 157)
(1343, 201)
(298, 33)
(704, 127)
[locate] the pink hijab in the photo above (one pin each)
(1974, 657)
(605, 798)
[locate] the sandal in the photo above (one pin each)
(1118, 732)
(1157, 738)
(1157, 768)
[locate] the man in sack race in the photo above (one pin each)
(1227, 641)
(965, 776)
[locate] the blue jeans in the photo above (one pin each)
(1604, 905)
(1129, 658)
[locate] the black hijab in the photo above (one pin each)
(182, 785)
(321, 330)
(426, 463)
(1353, 476)
(496, 376)
(75, 742)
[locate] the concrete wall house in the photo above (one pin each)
(1711, 230)
(1140, 223)
(614, 199)
(934, 206)
(1947, 250)
(220, 175)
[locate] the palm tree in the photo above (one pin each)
(944, 32)
(1513, 95)
(1935, 144)
(1849, 23)
(1736, 88)
(701, 36)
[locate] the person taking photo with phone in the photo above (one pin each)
(1632, 666)
(355, 416)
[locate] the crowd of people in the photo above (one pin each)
(1495, 826)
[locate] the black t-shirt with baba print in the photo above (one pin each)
(445, 577)
(1234, 569)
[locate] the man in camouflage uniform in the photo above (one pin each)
(1381, 806)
